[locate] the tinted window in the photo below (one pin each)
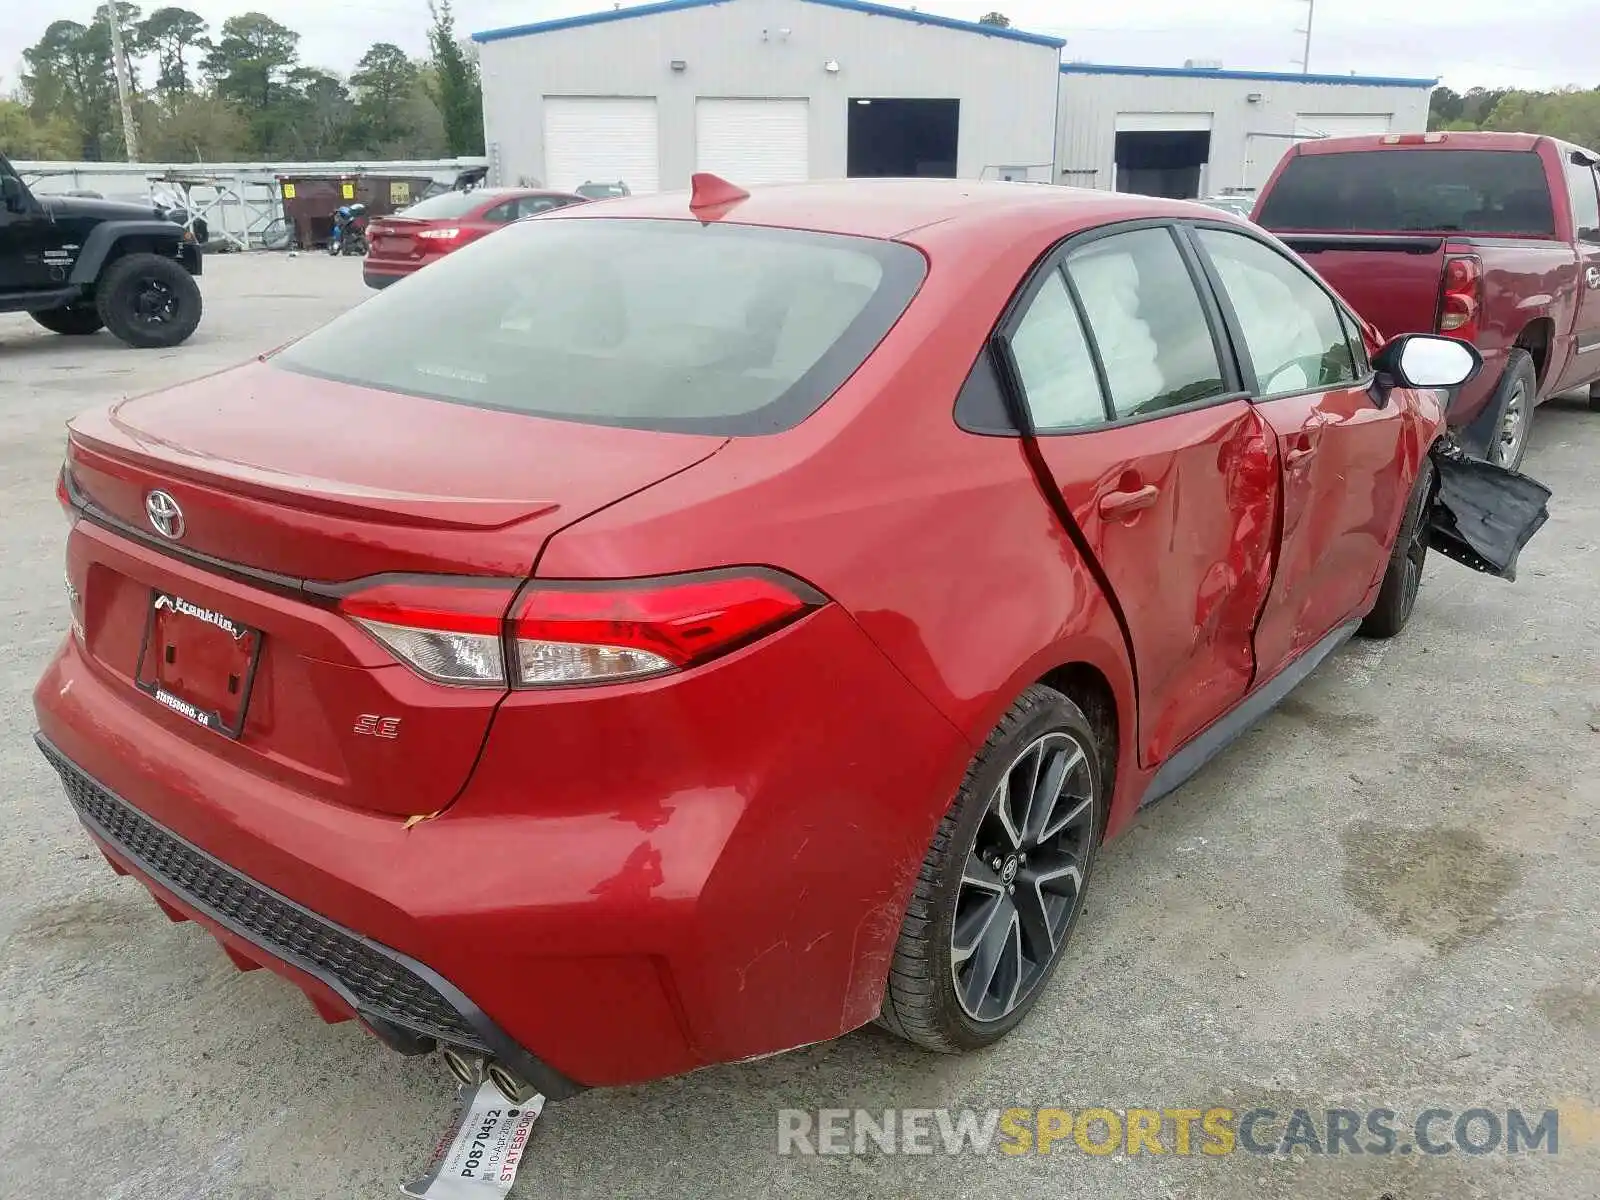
(529, 205)
(722, 329)
(445, 206)
(1585, 201)
(1148, 325)
(1293, 332)
(1478, 191)
(501, 213)
(1052, 357)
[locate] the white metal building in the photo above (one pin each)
(1202, 131)
(766, 91)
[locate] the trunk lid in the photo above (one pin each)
(1391, 280)
(290, 487)
(307, 478)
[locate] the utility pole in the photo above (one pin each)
(119, 59)
(1305, 54)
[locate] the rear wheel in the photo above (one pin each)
(1003, 884)
(1398, 595)
(148, 301)
(74, 320)
(1514, 399)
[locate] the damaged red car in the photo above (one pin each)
(682, 629)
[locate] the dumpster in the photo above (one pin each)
(309, 201)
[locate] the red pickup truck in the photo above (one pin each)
(1493, 238)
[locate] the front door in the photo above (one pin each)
(1342, 490)
(1165, 467)
(24, 235)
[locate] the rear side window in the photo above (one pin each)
(1052, 357)
(1152, 335)
(721, 329)
(1426, 190)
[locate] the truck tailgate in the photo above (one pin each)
(1391, 280)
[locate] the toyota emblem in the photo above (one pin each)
(166, 518)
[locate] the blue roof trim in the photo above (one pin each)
(1263, 76)
(860, 6)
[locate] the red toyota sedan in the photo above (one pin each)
(683, 629)
(403, 243)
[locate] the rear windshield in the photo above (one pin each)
(720, 329)
(447, 205)
(1376, 191)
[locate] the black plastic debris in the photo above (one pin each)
(1483, 515)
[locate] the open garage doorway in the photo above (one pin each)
(1165, 162)
(903, 137)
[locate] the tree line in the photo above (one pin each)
(239, 92)
(1572, 114)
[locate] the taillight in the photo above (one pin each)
(586, 633)
(1460, 296)
(448, 630)
(64, 494)
(448, 234)
(567, 632)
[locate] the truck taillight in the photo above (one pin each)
(1460, 296)
(575, 632)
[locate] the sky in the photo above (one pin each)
(1529, 43)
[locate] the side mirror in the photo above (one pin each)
(1422, 360)
(13, 193)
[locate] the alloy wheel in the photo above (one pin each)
(154, 302)
(1513, 426)
(1024, 877)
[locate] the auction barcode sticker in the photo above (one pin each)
(480, 1162)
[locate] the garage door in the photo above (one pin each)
(753, 141)
(601, 139)
(1326, 125)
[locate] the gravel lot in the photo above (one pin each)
(1383, 896)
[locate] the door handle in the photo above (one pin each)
(1299, 456)
(1119, 504)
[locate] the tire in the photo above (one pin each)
(1513, 405)
(75, 320)
(957, 890)
(1594, 397)
(148, 301)
(1401, 580)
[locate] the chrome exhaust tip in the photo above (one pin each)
(513, 1089)
(468, 1070)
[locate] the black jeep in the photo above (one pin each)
(77, 263)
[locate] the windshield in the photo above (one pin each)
(447, 205)
(720, 329)
(1426, 190)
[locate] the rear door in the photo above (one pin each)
(1165, 468)
(1581, 183)
(1344, 473)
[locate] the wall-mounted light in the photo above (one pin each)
(679, 65)
(831, 66)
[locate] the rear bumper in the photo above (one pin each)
(405, 1004)
(382, 277)
(634, 882)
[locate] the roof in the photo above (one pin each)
(859, 6)
(894, 208)
(1469, 139)
(1258, 76)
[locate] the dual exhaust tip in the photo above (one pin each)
(472, 1069)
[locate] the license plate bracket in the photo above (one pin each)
(198, 662)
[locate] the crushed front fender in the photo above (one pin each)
(1482, 515)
